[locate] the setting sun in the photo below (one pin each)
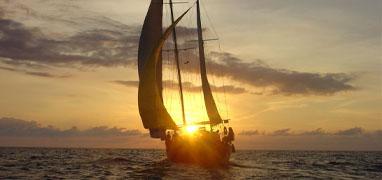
(191, 129)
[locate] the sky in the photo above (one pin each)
(296, 74)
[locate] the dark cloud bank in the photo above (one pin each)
(22, 128)
(356, 131)
(283, 81)
(12, 127)
(101, 47)
(17, 132)
(34, 73)
(21, 133)
(190, 87)
(115, 44)
(352, 139)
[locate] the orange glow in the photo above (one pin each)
(191, 129)
(195, 110)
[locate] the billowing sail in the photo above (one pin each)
(151, 108)
(212, 111)
(151, 33)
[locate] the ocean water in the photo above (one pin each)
(45, 163)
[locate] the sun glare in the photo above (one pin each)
(191, 129)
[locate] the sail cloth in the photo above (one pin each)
(212, 111)
(151, 108)
(151, 33)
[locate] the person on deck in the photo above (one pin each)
(231, 134)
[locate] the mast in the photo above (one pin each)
(202, 55)
(176, 51)
(212, 111)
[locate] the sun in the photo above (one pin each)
(191, 129)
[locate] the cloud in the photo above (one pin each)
(104, 46)
(274, 81)
(189, 87)
(134, 84)
(281, 132)
(186, 32)
(106, 131)
(356, 131)
(351, 132)
(45, 74)
(11, 127)
(102, 42)
(18, 132)
(34, 73)
(316, 132)
(282, 81)
(249, 133)
(378, 132)
(328, 142)
(99, 47)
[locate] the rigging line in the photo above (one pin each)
(215, 88)
(209, 19)
(225, 99)
(175, 84)
(212, 25)
(186, 57)
(166, 16)
(220, 49)
(202, 105)
(169, 70)
(165, 61)
(169, 85)
(227, 108)
(176, 51)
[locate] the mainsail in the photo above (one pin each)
(151, 108)
(212, 111)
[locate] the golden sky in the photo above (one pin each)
(296, 65)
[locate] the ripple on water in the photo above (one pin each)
(43, 163)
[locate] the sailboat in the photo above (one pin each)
(188, 142)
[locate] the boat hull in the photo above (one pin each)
(205, 150)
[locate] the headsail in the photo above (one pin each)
(151, 108)
(212, 111)
(151, 33)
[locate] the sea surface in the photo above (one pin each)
(45, 163)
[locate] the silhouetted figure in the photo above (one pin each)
(225, 139)
(231, 134)
(168, 135)
(175, 135)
